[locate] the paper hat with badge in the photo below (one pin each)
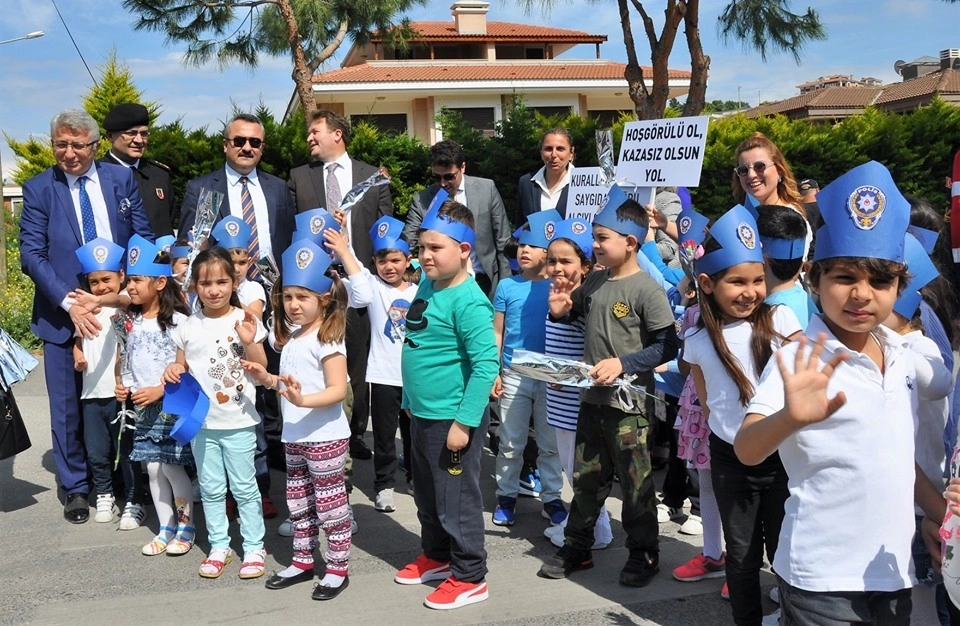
(182, 251)
(385, 235)
(305, 265)
(312, 224)
(607, 215)
(100, 255)
(542, 229)
(918, 243)
(232, 232)
(578, 231)
(783, 249)
(189, 403)
(691, 231)
(736, 233)
(443, 224)
(166, 242)
(864, 215)
(141, 259)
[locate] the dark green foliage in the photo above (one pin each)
(769, 26)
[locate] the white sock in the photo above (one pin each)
(293, 570)
(332, 580)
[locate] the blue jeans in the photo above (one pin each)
(101, 431)
(224, 455)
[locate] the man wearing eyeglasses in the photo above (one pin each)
(65, 207)
(448, 168)
(128, 131)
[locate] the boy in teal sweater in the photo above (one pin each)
(448, 365)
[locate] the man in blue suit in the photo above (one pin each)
(63, 208)
(264, 202)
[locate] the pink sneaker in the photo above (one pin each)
(725, 592)
(701, 567)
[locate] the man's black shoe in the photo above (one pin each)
(641, 567)
(76, 509)
(566, 561)
(359, 450)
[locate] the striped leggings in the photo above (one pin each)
(317, 497)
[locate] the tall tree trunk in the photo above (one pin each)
(302, 75)
(650, 103)
(699, 62)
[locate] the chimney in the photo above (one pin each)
(470, 17)
(949, 57)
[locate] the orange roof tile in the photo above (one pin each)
(499, 31)
(403, 72)
(828, 98)
(944, 82)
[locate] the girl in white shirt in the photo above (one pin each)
(737, 335)
(316, 433)
(211, 343)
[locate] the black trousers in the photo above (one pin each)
(750, 499)
(386, 415)
(449, 504)
(358, 349)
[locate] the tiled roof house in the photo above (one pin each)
(475, 66)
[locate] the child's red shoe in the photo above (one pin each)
(453, 594)
(422, 570)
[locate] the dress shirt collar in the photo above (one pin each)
(135, 164)
(233, 178)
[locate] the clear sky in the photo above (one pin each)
(39, 77)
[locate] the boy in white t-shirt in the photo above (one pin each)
(842, 417)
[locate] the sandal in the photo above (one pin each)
(213, 565)
(253, 564)
(182, 543)
(159, 543)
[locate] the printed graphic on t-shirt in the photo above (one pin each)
(226, 371)
(395, 329)
(416, 320)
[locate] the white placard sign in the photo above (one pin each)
(587, 193)
(663, 153)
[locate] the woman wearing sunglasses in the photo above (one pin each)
(547, 188)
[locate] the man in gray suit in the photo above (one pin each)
(480, 195)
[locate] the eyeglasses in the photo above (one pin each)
(239, 142)
(446, 178)
(758, 167)
(132, 134)
(61, 146)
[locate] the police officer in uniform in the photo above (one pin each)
(128, 132)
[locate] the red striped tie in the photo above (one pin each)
(249, 216)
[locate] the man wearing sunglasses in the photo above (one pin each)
(64, 207)
(128, 131)
(448, 169)
(323, 182)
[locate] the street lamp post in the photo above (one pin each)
(3, 208)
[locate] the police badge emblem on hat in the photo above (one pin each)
(746, 235)
(578, 227)
(382, 230)
(232, 228)
(317, 223)
(866, 205)
(134, 255)
(684, 224)
(100, 254)
(549, 230)
(304, 257)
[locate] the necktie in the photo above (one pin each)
(334, 195)
(86, 212)
(246, 204)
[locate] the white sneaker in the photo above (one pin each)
(553, 531)
(771, 620)
(107, 509)
(557, 540)
(133, 516)
(666, 513)
(693, 526)
(775, 594)
(384, 501)
(286, 528)
(354, 527)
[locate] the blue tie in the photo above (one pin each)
(86, 211)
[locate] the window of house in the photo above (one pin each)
(392, 123)
(481, 118)
(551, 111)
(606, 117)
(536, 53)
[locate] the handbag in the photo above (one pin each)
(14, 438)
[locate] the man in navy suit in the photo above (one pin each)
(273, 216)
(63, 208)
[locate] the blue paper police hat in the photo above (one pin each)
(305, 265)
(864, 215)
(179, 252)
(686, 202)
(514, 263)
(100, 255)
(189, 403)
(691, 226)
(736, 232)
(922, 271)
(578, 231)
(927, 238)
(458, 231)
(232, 232)
(311, 225)
(385, 235)
(750, 204)
(543, 227)
(607, 215)
(783, 249)
(141, 256)
(166, 242)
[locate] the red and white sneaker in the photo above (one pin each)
(701, 567)
(422, 570)
(453, 594)
(725, 592)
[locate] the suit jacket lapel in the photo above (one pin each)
(472, 193)
(319, 186)
(219, 180)
(65, 201)
(107, 188)
(268, 195)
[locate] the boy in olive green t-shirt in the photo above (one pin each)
(449, 364)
